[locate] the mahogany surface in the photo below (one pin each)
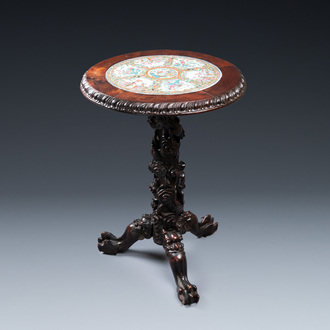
(96, 88)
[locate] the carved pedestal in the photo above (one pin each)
(168, 221)
(164, 84)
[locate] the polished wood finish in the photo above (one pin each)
(96, 88)
(168, 220)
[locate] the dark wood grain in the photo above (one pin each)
(168, 221)
(230, 87)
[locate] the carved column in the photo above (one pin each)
(168, 218)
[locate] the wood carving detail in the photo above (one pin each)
(168, 221)
(163, 109)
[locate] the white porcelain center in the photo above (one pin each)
(163, 75)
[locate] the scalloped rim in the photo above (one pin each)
(162, 109)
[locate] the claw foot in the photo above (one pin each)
(108, 243)
(204, 228)
(207, 226)
(188, 295)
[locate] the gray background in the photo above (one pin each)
(70, 169)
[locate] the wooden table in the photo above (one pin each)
(163, 85)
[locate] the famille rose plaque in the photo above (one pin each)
(163, 83)
(163, 75)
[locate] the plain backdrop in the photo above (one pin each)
(70, 169)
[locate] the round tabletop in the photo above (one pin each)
(163, 83)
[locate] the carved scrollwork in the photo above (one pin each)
(169, 178)
(172, 242)
(168, 221)
(162, 109)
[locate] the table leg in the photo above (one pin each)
(139, 229)
(187, 292)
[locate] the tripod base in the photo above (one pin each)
(170, 239)
(168, 221)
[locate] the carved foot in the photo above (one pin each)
(139, 229)
(207, 226)
(109, 243)
(188, 295)
(201, 229)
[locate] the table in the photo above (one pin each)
(163, 85)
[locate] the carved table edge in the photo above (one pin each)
(163, 109)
